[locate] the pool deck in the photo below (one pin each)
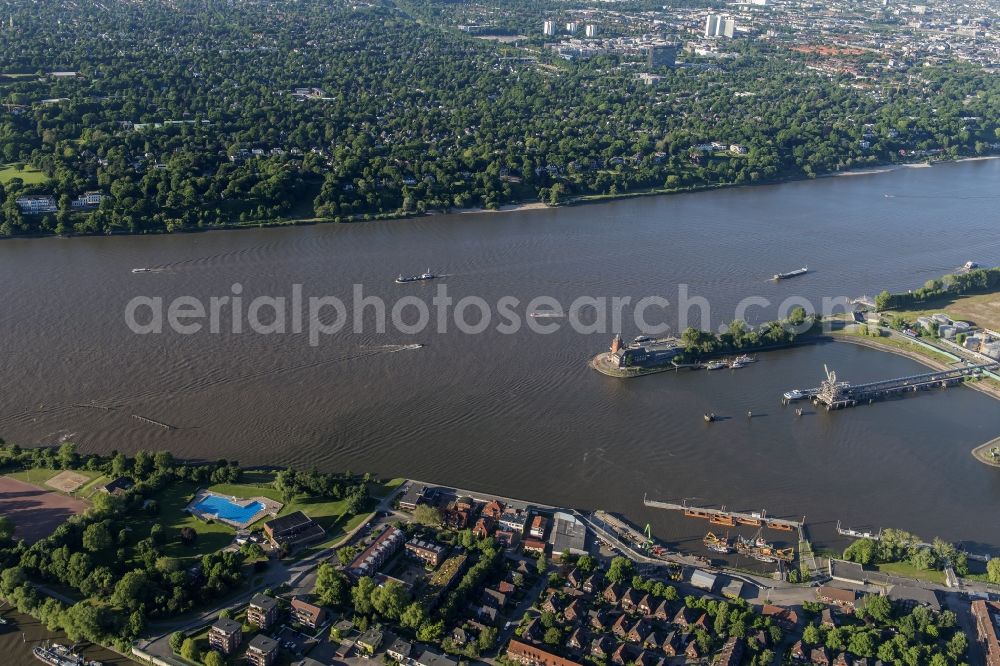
(268, 508)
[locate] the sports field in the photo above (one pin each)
(36, 512)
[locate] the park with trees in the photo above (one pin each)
(137, 557)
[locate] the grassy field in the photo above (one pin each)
(380, 490)
(328, 513)
(981, 309)
(213, 536)
(30, 175)
(910, 571)
(902, 345)
(38, 477)
(172, 500)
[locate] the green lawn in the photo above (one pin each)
(40, 475)
(30, 175)
(330, 514)
(909, 571)
(380, 490)
(172, 501)
(327, 513)
(36, 476)
(213, 536)
(91, 487)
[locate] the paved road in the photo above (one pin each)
(299, 576)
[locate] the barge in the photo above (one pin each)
(791, 274)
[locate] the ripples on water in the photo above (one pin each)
(522, 414)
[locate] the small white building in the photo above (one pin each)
(946, 331)
(942, 318)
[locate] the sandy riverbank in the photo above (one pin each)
(510, 208)
(914, 165)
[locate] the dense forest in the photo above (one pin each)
(188, 114)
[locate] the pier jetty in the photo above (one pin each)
(729, 518)
(159, 424)
(835, 394)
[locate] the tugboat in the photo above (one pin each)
(416, 278)
(716, 544)
(791, 274)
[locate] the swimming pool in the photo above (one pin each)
(224, 509)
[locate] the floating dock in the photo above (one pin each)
(835, 394)
(729, 518)
(857, 534)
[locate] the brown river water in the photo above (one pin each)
(520, 413)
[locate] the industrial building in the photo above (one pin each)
(568, 534)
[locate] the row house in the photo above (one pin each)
(552, 604)
(601, 647)
(672, 645)
(378, 551)
(430, 553)
(573, 611)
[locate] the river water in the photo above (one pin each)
(522, 414)
(25, 632)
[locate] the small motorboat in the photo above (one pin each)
(710, 418)
(715, 365)
(794, 394)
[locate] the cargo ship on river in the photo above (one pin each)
(791, 274)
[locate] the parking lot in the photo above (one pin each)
(295, 642)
